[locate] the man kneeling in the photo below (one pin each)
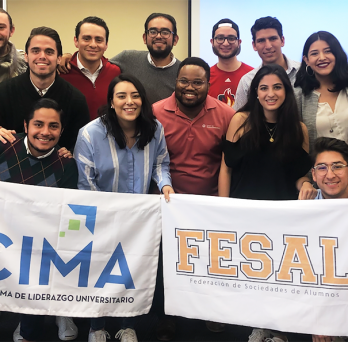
(33, 159)
(330, 172)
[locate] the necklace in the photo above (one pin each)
(271, 131)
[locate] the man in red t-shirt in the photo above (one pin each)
(225, 75)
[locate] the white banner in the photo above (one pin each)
(271, 264)
(77, 253)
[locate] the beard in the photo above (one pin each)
(4, 46)
(41, 151)
(234, 52)
(159, 54)
(180, 97)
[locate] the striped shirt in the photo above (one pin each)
(104, 166)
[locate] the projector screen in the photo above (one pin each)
(300, 18)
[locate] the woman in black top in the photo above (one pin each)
(266, 144)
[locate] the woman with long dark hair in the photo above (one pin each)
(266, 150)
(122, 151)
(321, 87)
(266, 147)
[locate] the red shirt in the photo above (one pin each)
(194, 145)
(223, 84)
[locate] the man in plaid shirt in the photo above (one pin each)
(33, 159)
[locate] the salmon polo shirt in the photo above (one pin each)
(195, 146)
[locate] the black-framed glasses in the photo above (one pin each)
(195, 84)
(221, 39)
(164, 33)
(336, 168)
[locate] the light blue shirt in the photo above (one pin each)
(319, 195)
(104, 166)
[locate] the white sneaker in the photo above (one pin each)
(98, 336)
(127, 335)
(17, 334)
(275, 339)
(67, 330)
(259, 335)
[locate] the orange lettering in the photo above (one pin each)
(217, 254)
(296, 257)
(266, 268)
(330, 278)
(185, 249)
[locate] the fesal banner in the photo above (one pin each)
(280, 265)
(77, 253)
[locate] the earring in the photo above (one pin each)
(257, 97)
(112, 106)
(309, 68)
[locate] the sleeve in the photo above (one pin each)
(69, 179)
(84, 156)
(3, 118)
(160, 169)
(241, 94)
(80, 112)
(119, 60)
(298, 97)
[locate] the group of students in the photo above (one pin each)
(265, 151)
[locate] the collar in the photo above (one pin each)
(28, 150)
(43, 91)
(161, 67)
(292, 65)
(81, 67)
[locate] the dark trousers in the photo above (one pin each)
(32, 326)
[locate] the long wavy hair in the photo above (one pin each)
(146, 124)
(339, 74)
(289, 130)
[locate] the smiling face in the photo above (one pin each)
(320, 58)
(42, 57)
(225, 50)
(158, 46)
(43, 131)
(269, 45)
(91, 43)
(127, 103)
(5, 33)
(332, 185)
(271, 93)
(188, 96)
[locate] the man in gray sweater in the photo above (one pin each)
(157, 68)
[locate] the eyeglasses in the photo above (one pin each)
(336, 168)
(221, 39)
(164, 33)
(195, 84)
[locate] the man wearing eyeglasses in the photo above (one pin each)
(194, 124)
(157, 68)
(225, 75)
(330, 170)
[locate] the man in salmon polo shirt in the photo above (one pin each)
(194, 124)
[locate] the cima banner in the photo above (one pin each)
(77, 253)
(280, 265)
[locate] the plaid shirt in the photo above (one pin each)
(17, 166)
